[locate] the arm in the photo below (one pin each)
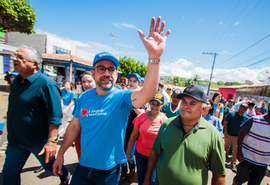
(68, 107)
(221, 116)
(225, 128)
(152, 162)
(218, 179)
(50, 148)
(240, 139)
(71, 134)
(155, 45)
(134, 135)
(139, 111)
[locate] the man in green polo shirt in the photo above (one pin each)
(187, 146)
(232, 126)
(172, 108)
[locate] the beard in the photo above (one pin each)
(105, 87)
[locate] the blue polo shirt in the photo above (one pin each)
(103, 121)
(34, 105)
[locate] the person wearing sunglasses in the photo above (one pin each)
(101, 114)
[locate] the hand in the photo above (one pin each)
(240, 156)
(128, 158)
(57, 166)
(64, 112)
(50, 150)
(155, 43)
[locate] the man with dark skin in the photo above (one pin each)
(231, 129)
(253, 147)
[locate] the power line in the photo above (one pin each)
(258, 62)
(232, 22)
(244, 50)
(241, 23)
(251, 58)
(223, 24)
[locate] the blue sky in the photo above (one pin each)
(223, 27)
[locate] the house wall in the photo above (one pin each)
(227, 92)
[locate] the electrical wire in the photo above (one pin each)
(244, 50)
(258, 62)
(251, 59)
(232, 23)
(238, 26)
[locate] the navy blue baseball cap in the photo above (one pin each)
(105, 56)
(177, 91)
(13, 73)
(136, 75)
(194, 91)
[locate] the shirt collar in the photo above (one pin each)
(33, 77)
(200, 123)
(208, 116)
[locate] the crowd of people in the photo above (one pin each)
(170, 136)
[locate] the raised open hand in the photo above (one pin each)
(155, 43)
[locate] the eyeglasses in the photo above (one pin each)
(169, 89)
(20, 57)
(157, 104)
(102, 69)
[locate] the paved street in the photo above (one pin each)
(28, 177)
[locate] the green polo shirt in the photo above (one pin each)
(34, 105)
(167, 109)
(186, 158)
(234, 122)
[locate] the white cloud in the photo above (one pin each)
(201, 20)
(116, 25)
(129, 26)
(87, 50)
(232, 34)
(183, 17)
(220, 22)
(236, 23)
(185, 69)
(224, 52)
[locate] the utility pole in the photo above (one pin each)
(215, 54)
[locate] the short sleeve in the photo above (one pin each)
(139, 120)
(73, 95)
(247, 125)
(76, 111)
(157, 143)
(228, 117)
(217, 158)
(51, 98)
(222, 110)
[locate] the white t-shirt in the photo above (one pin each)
(166, 97)
(59, 78)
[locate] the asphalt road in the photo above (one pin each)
(28, 177)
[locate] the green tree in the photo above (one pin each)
(220, 83)
(129, 65)
(17, 15)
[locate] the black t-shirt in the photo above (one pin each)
(130, 125)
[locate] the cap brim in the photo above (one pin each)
(180, 96)
(158, 100)
(111, 58)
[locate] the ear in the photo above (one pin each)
(92, 72)
(35, 64)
